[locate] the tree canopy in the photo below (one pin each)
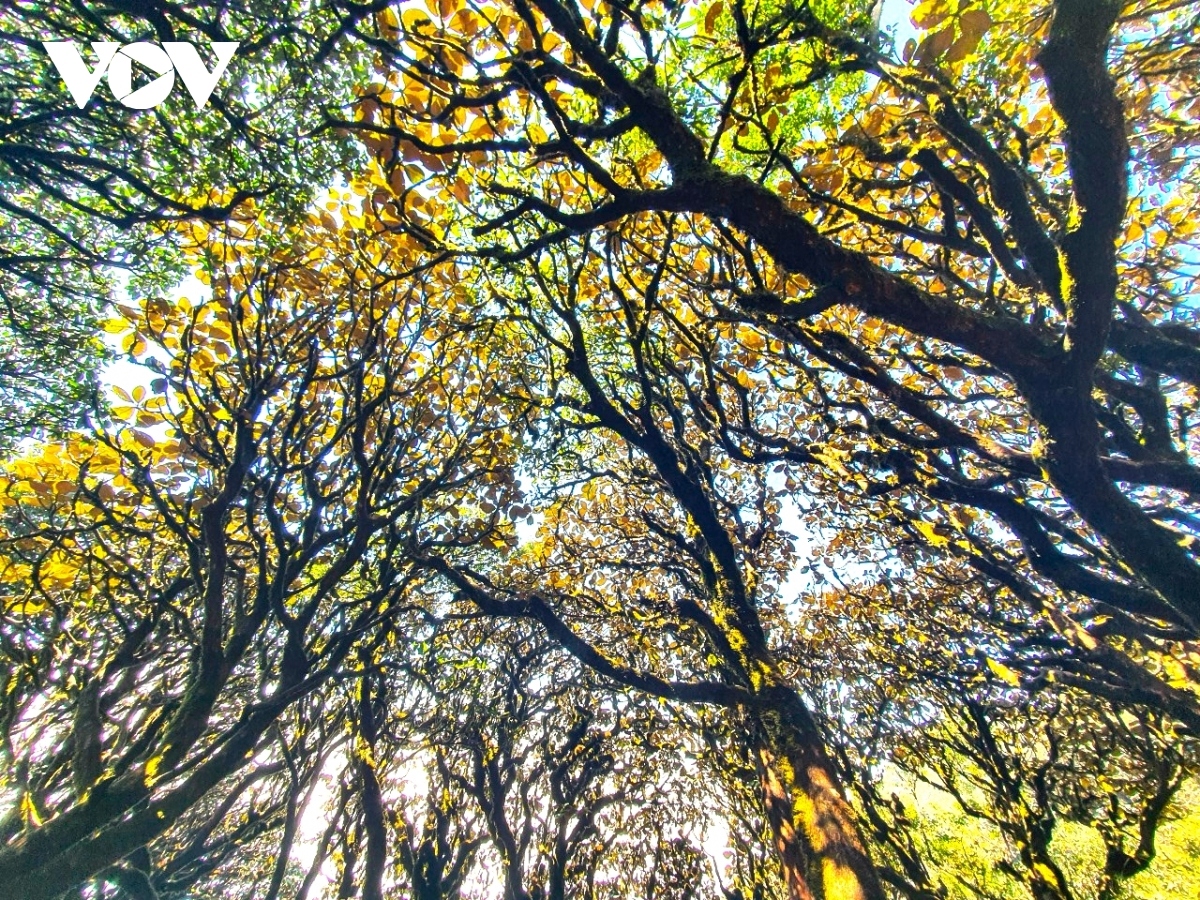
(672, 449)
(83, 189)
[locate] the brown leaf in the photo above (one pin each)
(934, 46)
(974, 24)
(710, 19)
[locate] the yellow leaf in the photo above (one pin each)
(932, 533)
(929, 13)
(115, 326)
(1004, 673)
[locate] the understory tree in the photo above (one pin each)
(185, 585)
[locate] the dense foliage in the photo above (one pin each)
(690, 450)
(81, 190)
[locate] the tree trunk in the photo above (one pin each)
(816, 834)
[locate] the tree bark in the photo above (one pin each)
(816, 833)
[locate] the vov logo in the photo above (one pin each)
(166, 61)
